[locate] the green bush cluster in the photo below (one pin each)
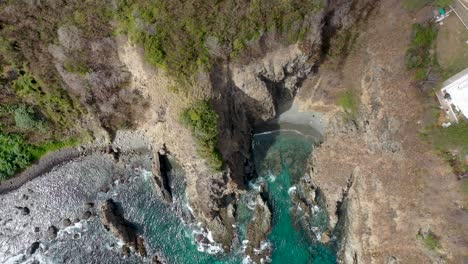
(26, 118)
(54, 104)
(350, 102)
(76, 66)
(15, 154)
(203, 121)
(430, 240)
(452, 139)
(443, 3)
(174, 33)
(414, 5)
(418, 56)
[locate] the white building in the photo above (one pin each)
(453, 96)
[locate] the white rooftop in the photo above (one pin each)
(457, 87)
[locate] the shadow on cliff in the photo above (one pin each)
(236, 125)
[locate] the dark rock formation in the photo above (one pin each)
(113, 220)
(160, 178)
(157, 260)
(32, 249)
(125, 250)
(25, 211)
(140, 247)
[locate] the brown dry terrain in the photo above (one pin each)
(398, 185)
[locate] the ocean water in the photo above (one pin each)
(169, 229)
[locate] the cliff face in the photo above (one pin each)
(382, 183)
(120, 88)
(244, 92)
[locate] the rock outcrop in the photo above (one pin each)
(114, 221)
(257, 232)
(160, 178)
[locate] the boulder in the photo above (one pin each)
(140, 246)
(52, 232)
(25, 211)
(125, 250)
(156, 260)
(87, 215)
(66, 222)
(32, 249)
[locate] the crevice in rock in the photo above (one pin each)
(165, 168)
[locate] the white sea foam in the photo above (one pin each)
(247, 260)
(280, 130)
(292, 190)
(264, 245)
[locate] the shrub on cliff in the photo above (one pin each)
(15, 154)
(203, 121)
(26, 118)
(175, 33)
(418, 56)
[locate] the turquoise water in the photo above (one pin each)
(281, 159)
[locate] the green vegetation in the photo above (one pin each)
(350, 103)
(16, 153)
(203, 121)
(430, 240)
(413, 5)
(54, 104)
(452, 142)
(76, 66)
(419, 56)
(174, 33)
(26, 118)
(443, 3)
(465, 187)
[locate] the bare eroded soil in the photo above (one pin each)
(397, 183)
